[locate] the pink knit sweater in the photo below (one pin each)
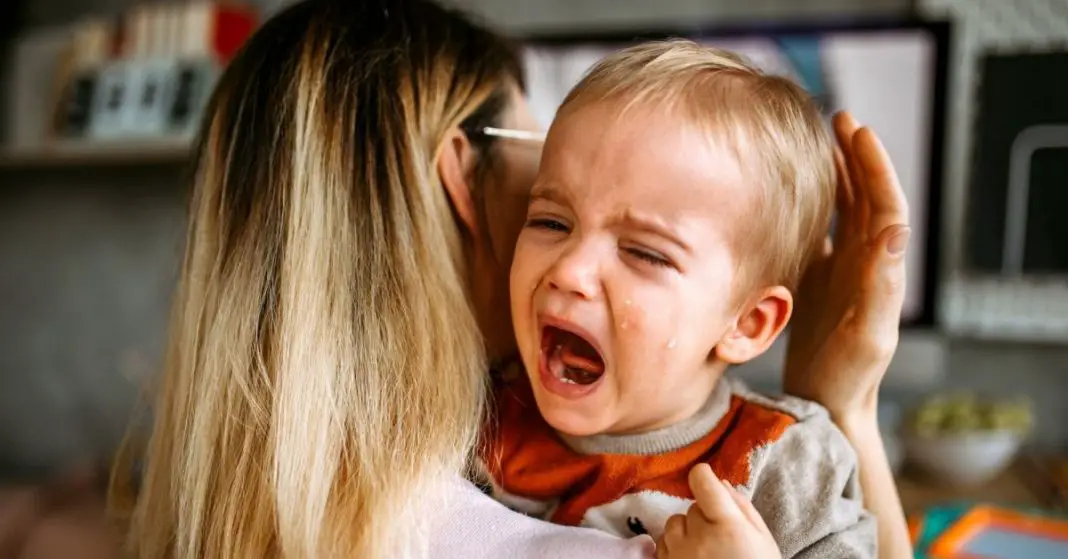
(479, 527)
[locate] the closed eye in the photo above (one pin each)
(649, 257)
(548, 224)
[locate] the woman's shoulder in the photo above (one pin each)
(477, 526)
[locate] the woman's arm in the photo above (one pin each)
(721, 524)
(877, 482)
(847, 316)
(474, 525)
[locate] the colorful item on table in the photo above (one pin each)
(987, 532)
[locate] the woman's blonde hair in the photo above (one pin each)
(324, 373)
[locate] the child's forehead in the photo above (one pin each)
(651, 146)
(634, 125)
(644, 162)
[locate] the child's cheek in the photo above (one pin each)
(631, 320)
(650, 330)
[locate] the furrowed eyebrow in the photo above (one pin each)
(550, 193)
(656, 227)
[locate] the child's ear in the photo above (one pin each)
(758, 327)
(456, 166)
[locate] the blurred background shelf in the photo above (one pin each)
(97, 154)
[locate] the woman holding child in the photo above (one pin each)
(345, 289)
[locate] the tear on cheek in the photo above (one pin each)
(631, 318)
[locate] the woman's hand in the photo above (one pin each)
(721, 523)
(847, 314)
(848, 308)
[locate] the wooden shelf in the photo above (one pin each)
(152, 151)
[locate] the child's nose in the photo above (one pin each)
(576, 273)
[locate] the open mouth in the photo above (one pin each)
(569, 357)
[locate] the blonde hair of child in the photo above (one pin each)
(773, 126)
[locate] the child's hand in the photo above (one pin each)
(722, 523)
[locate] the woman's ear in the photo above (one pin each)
(456, 168)
(757, 328)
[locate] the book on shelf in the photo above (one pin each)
(149, 72)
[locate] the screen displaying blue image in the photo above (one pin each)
(804, 54)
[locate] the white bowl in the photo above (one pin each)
(964, 458)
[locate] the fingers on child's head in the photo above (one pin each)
(887, 196)
(844, 199)
(845, 132)
(872, 156)
(893, 241)
(843, 195)
(873, 182)
(845, 126)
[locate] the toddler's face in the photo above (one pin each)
(622, 283)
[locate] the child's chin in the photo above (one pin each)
(574, 423)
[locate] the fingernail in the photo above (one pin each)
(899, 242)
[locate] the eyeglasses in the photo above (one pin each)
(512, 134)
